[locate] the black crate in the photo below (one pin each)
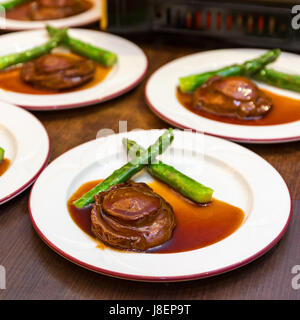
(254, 23)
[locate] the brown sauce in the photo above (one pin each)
(285, 110)
(10, 80)
(197, 226)
(4, 165)
(21, 12)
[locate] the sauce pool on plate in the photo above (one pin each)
(22, 11)
(197, 226)
(10, 80)
(4, 165)
(284, 110)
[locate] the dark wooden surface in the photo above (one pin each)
(34, 271)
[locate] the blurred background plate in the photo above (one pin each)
(90, 16)
(129, 70)
(161, 97)
(27, 147)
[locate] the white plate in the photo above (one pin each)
(237, 175)
(26, 145)
(126, 74)
(87, 17)
(161, 96)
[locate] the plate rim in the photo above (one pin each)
(93, 101)
(181, 126)
(236, 139)
(143, 278)
(125, 276)
(90, 20)
(43, 166)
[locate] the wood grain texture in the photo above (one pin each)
(34, 271)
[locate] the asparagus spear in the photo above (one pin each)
(21, 57)
(87, 50)
(190, 83)
(124, 173)
(185, 185)
(278, 79)
(10, 4)
(1, 154)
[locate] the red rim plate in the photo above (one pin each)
(161, 279)
(236, 139)
(92, 102)
(31, 181)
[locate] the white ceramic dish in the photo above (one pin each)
(90, 16)
(126, 74)
(161, 87)
(26, 145)
(237, 175)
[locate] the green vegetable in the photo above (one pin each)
(87, 50)
(124, 173)
(2, 152)
(185, 185)
(190, 83)
(278, 79)
(27, 55)
(8, 5)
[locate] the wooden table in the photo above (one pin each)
(34, 271)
